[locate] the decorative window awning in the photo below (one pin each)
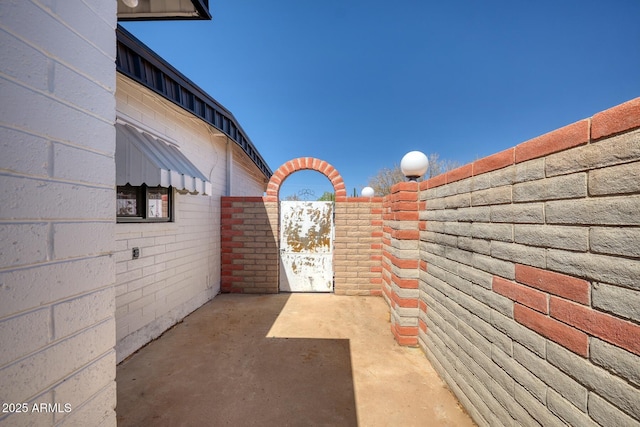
(144, 159)
(147, 10)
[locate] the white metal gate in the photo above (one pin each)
(306, 246)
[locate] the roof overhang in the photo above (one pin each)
(139, 63)
(163, 9)
(144, 159)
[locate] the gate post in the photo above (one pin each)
(401, 250)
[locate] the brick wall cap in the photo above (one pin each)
(618, 119)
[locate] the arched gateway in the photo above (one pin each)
(305, 163)
(252, 244)
(306, 231)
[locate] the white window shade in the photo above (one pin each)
(143, 159)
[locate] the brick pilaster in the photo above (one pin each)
(401, 236)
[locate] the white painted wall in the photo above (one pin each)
(57, 272)
(246, 179)
(179, 265)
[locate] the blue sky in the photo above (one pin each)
(360, 83)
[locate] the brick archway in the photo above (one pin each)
(305, 163)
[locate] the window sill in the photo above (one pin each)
(137, 220)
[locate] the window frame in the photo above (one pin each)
(142, 201)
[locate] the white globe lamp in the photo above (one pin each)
(367, 192)
(131, 3)
(414, 164)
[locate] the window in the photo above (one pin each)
(144, 204)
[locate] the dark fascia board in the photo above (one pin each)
(201, 6)
(136, 61)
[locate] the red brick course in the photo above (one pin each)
(617, 331)
(494, 162)
(460, 173)
(524, 295)
(620, 118)
(554, 283)
(402, 263)
(409, 339)
(569, 136)
(565, 335)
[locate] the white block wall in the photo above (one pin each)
(57, 270)
(246, 179)
(179, 265)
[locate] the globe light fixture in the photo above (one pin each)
(367, 192)
(414, 164)
(131, 3)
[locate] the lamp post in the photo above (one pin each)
(414, 164)
(367, 192)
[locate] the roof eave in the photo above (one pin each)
(138, 62)
(200, 12)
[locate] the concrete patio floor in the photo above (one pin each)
(283, 360)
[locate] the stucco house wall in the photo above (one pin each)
(179, 265)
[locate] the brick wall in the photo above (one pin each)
(250, 237)
(358, 246)
(250, 252)
(529, 277)
(517, 274)
(249, 241)
(57, 139)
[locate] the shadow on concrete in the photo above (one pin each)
(218, 367)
